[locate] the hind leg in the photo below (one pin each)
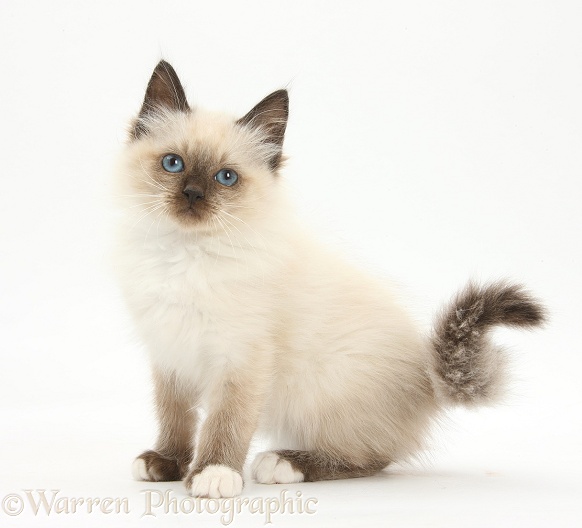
(287, 466)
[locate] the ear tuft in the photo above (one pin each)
(164, 91)
(270, 115)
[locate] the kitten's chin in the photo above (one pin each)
(189, 218)
(192, 221)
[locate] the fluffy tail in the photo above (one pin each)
(466, 367)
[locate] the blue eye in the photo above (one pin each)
(226, 177)
(172, 163)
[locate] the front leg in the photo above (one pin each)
(226, 435)
(177, 415)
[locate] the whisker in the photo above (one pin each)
(145, 215)
(153, 182)
(220, 221)
(167, 212)
(230, 224)
(141, 204)
(153, 221)
(250, 245)
(217, 254)
(246, 224)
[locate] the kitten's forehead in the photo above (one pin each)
(185, 127)
(202, 132)
(210, 127)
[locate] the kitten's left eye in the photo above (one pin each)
(172, 163)
(226, 177)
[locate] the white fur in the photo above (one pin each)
(269, 468)
(216, 482)
(139, 470)
(335, 337)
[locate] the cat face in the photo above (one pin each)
(200, 169)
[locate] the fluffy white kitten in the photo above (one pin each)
(247, 317)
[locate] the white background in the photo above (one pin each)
(434, 141)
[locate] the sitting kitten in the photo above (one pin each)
(248, 318)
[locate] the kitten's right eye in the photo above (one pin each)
(172, 163)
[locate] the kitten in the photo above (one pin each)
(246, 317)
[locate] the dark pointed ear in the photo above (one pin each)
(271, 116)
(164, 91)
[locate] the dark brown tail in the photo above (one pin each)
(466, 367)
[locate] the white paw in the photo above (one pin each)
(269, 468)
(215, 482)
(139, 470)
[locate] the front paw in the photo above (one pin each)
(153, 467)
(214, 482)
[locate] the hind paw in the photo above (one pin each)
(153, 467)
(270, 468)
